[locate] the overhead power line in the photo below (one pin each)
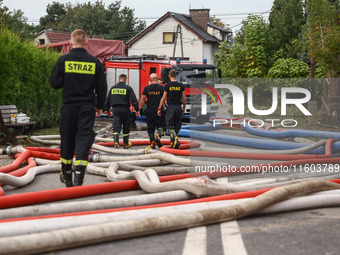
(239, 14)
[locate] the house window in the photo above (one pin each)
(41, 41)
(224, 37)
(168, 37)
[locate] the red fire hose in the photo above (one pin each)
(103, 188)
(44, 149)
(239, 195)
(220, 154)
(23, 156)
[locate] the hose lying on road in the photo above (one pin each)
(44, 209)
(13, 166)
(100, 147)
(97, 204)
(101, 170)
(291, 133)
(252, 142)
(22, 227)
(45, 140)
(162, 156)
(302, 150)
(128, 166)
(73, 237)
(88, 190)
(29, 176)
(149, 182)
(264, 156)
(22, 171)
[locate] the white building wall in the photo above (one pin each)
(41, 36)
(215, 32)
(215, 51)
(152, 42)
(209, 50)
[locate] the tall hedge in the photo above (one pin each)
(24, 79)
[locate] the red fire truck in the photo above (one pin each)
(190, 74)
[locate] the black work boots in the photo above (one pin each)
(66, 174)
(127, 143)
(174, 139)
(116, 141)
(159, 134)
(152, 140)
(79, 173)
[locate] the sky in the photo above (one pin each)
(229, 11)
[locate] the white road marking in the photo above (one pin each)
(195, 241)
(231, 239)
(232, 242)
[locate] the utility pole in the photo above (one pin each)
(175, 43)
(178, 31)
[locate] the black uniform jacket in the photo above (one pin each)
(121, 95)
(82, 76)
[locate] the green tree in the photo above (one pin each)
(55, 13)
(322, 34)
(87, 16)
(231, 60)
(285, 21)
(218, 22)
(249, 60)
(24, 76)
(256, 46)
(240, 34)
(16, 21)
(113, 22)
(3, 11)
(321, 39)
(122, 24)
(289, 68)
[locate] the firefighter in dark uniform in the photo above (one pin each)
(81, 76)
(119, 98)
(153, 93)
(174, 94)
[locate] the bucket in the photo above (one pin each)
(22, 118)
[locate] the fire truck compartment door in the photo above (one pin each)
(134, 81)
(110, 77)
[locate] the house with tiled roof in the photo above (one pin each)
(48, 37)
(180, 35)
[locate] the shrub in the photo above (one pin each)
(24, 79)
(289, 68)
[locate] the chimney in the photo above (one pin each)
(200, 17)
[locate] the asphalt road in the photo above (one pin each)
(310, 232)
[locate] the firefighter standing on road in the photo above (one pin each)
(174, 94)
(119, 98)
(79, 74)
(153, 93)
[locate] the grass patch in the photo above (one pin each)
(46, 131)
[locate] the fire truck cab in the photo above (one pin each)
(190, 74)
